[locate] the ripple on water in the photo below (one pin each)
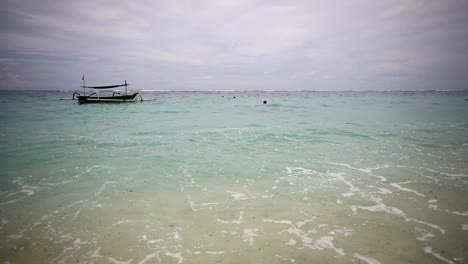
(200, 179)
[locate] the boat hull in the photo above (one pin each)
(107, 99)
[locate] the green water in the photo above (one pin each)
(194, 177)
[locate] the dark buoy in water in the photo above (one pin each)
(234, 97)
(264, 102)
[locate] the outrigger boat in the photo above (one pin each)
(94, 97)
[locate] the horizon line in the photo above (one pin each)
(228, 91)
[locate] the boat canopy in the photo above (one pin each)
(105, 87)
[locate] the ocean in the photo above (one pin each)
(221, 177)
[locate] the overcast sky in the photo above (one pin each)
(235, 44)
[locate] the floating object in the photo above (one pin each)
(264, 102)
(94, 97)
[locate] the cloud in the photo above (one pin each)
(12, 79)
(238, 44)
(7, 60)
(403, 7)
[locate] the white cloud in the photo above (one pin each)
(239, 43)
(13, 79)
(401, 7)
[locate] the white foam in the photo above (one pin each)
(368, 260)
(4, 223)
(150, 256)
(301, 223)
(25, 189)
(425, 237)
(432, 178)
(113, 260)
(176, 235)
(384, 191)
(348, 194)
(14, 200)
(191, 203)
(57, 183)
(206, 204)
(214, 252)
(465, 227)
(240, 220)
(399, 187)
(291, 242)
(75, 215)
(89, 169)
(327, 242)
(441, 230)
(124, 222)
(237, 196)
(66, 237)
(17, 236)
(350, 167)
(100, 190)
(249, 235)
(283, 260)
(456, 175)
(292, 230)
(95, 253)
(202, 245)
(380, 207)
(224, 233)
(345, 231)
(288, 222)
(19, 180)
(365, 170)
(436, 208)
(352, 189)
(154, 241)
(177, 256)
(299, 170)
(29, 190)
(428, 250)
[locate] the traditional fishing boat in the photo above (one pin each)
(116, 97)
(94, 97)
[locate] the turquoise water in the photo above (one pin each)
(203, 177)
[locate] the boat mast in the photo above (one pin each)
(84, 89)
(126, 87)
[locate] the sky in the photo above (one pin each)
(235, 44)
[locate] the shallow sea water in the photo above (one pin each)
(203, 177)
